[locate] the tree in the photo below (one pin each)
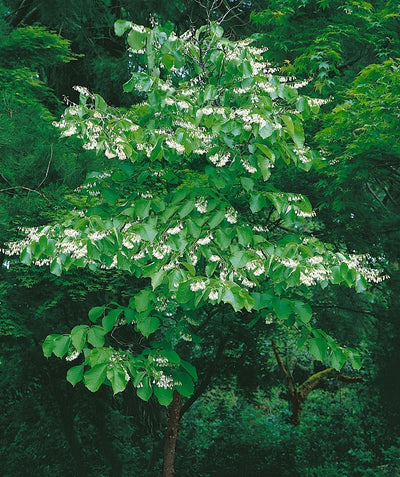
(190, 208)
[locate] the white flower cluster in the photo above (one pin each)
(72, 356)
(161, 380)
(301, 213)
(288, 262)
(247, 283)
(205, 240)
(220, 160)
(231, 215)
(130, 239)
(311, 276)
(247, 166)
(302, 154)
(256, 266)
(172, 144)
(201, 205)
(197, 285)
(161, 361)
(357, 262)
(213, 294)
(175, 230)
(183, 105)
(82, 90)
(161, 251)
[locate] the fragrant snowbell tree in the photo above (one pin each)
(189, 208)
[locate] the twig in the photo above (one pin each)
(48, 167)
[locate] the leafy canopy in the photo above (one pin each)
(189, 206)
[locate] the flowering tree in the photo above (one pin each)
(191, 207)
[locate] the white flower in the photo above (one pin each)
(71, 233)
(161, 361)
(183, 105)
(72, 356)
(213, 294)
(81, 90)
(163, 381)
(249, 168)
(175, 145)
(96, 235)
(300, 213)
(175, 230)
(201, 205)
(219, 160)
(231, 215)
(197, 285)
(205, 240)
(70, 131)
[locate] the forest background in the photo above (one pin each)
(239, 421)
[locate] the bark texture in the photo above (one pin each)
(174, 417)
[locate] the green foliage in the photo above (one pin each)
(196, 144)
(329, 40)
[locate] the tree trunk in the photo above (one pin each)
(174, 417)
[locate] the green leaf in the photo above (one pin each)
(257, 202)
(245, 235)
(48, 345)
(216, 219)
(120, 27)
(266, 130)
(338, 358)
(262, 300)
(164, 396)
(95, 377)
(318, 348)
(61, 345)
(148, 325)
(130, 315)
(190, 369)
(354, 358)
(55, 267)
(96, 312)
(75, 374)
(78, 336)
(265, 167)
(110, 319)
(143, 300)
(144, 390)
(142, 208)
(247, 183)
(137, 39)
(26, 257)
(303, 310)
(239, 259)
(281, 307)
(95, 336)
(184, 293)
(157, 278)
(117, 377)
(222, 239)
(172, 356)
(186, 386)
(110, 195)
(237, 297)
(186, 209)
(148, 232)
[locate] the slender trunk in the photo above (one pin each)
(174, 417)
